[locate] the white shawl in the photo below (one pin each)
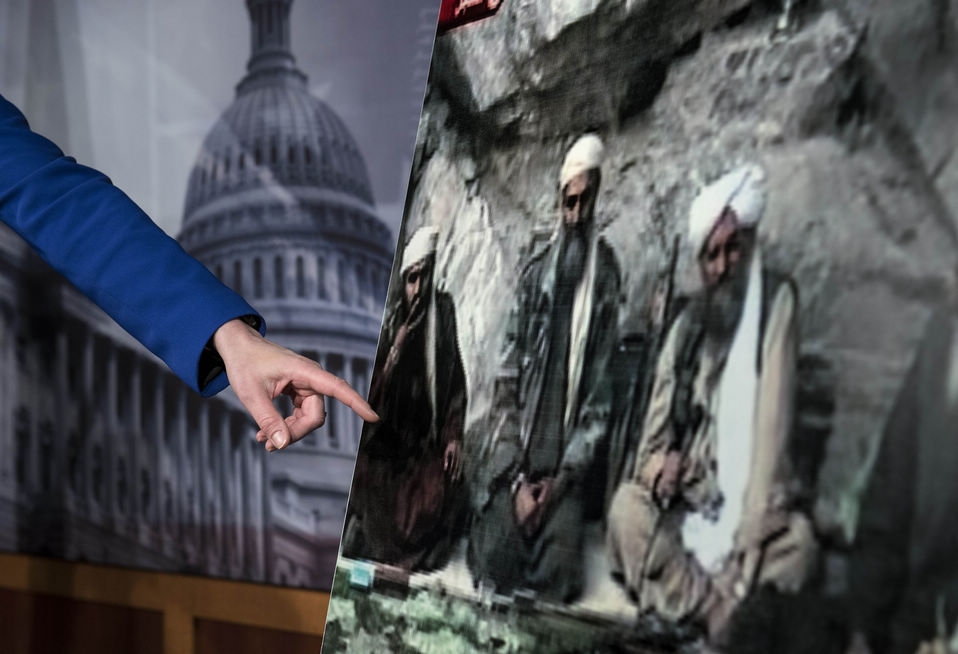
(733, 404)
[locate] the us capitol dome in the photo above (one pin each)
(279, 207)
(117, 461)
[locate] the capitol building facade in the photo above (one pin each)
(105, 456)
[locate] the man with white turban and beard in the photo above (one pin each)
(710, 513)
(408, 497)
(551, 402)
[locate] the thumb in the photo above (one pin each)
(268, 419)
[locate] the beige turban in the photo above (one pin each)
(421, 245)
(742, 191)
(584, 155)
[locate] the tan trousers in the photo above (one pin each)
(646, 549)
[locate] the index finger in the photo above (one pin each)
(330, 385)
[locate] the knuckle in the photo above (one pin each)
(266, 422)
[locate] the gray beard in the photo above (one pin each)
(723, 308)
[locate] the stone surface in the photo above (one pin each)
(914, 49)
(855, 126)
(534, 67)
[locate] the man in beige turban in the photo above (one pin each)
(709, 515)
(552, 401)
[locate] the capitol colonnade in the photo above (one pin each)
(115, 460)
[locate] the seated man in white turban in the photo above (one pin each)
(408, 496)
(709, 514)
(552, 401)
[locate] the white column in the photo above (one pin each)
(147, 452)
(203, 468)
(223, 486)
(60, 482)
(110, 444)
(322, 276)
(311, 272)
(133, 435)
(369, 284)
(178, 464)
(237, 490)
(257, 514)
(89, 427)
(349, 282)
(31, 477)
(157, 447)
(332, 278)
(185, 466)
(289, 264)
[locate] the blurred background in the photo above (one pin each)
(273, 139)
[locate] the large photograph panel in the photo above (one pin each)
(659, 370)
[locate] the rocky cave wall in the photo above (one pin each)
(853, 111)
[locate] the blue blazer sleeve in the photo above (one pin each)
(104, 244)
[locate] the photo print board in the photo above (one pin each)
(668, 350)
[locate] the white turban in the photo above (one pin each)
(584, 155)
(742, 191)
(421, 245)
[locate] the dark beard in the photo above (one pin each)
(724, 303)
(573, 242)
(421, 302)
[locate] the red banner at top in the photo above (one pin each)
(453, 13)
